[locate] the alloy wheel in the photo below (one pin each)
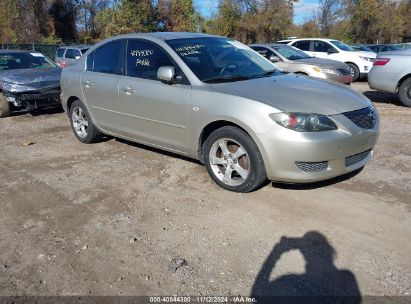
(80, 122)
(229, 162)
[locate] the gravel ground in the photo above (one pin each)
(117, 218)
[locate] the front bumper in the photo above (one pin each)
(341, 151)
(365, 68)
(339, 78)
(34, 99)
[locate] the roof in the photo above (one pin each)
(81, 46)
(2, 51)
(308, 38)
(167, 35)
(270, 44)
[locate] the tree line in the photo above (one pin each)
(88, 21)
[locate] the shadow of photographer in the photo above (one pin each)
(322, 282)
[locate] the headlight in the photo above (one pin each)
(329, 71)
(304, 122)
(6, 86)
(324, 70)
(367, 59)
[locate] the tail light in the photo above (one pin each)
(381, 61)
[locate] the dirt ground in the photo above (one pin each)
(116, 218)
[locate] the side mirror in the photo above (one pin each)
(332, 51)
(166, 74)
(77, 57)
(274, 58)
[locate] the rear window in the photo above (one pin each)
(72, 53)
(60, 52)
(107, 58)
(302, 45)
(15, 61)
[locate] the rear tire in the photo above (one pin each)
(82, 125)
(355, 71)
(233, 160)
(4, 107)
(404, 92)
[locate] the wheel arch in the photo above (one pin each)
(70, 101)
(214, 125)
(351, 62)
(405, 77)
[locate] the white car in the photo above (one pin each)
(359, 62)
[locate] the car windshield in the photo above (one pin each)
(342, 46)
(214, 59)
(15, 61)
(291, 53)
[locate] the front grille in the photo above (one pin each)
(354, 159)
(344, 71)
(312, 167)
(364, 118)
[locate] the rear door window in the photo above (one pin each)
(302, 45)
(107, 58)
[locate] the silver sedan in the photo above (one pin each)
(293, 60)
(392, 73)
(216, 100)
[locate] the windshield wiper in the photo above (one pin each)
(266, 74)
(227, 78)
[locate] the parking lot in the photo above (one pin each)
(117, 218)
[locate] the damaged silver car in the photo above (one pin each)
(28, 81)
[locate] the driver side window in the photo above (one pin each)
(144, 59)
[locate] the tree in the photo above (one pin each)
(226, 20)
(63, 14)
(127, 17)
(330, 12)
(9, 19)
(87, 12)
(309, 29)
(376, 21)
(179, 16)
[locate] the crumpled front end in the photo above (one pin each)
(40, 91)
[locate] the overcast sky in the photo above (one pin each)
(303, 10)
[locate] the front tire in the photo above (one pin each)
(233, 160)
(355, 71)
(81, 123)
(4, 107)
(404, 92)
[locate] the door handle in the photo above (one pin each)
(88, 83)
(128, 90)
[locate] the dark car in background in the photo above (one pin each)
(361, 48)
(28, 81)
(68, 55)
(379, 48)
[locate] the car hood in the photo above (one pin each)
(296, 93)
(324, 63)
(30, 79)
